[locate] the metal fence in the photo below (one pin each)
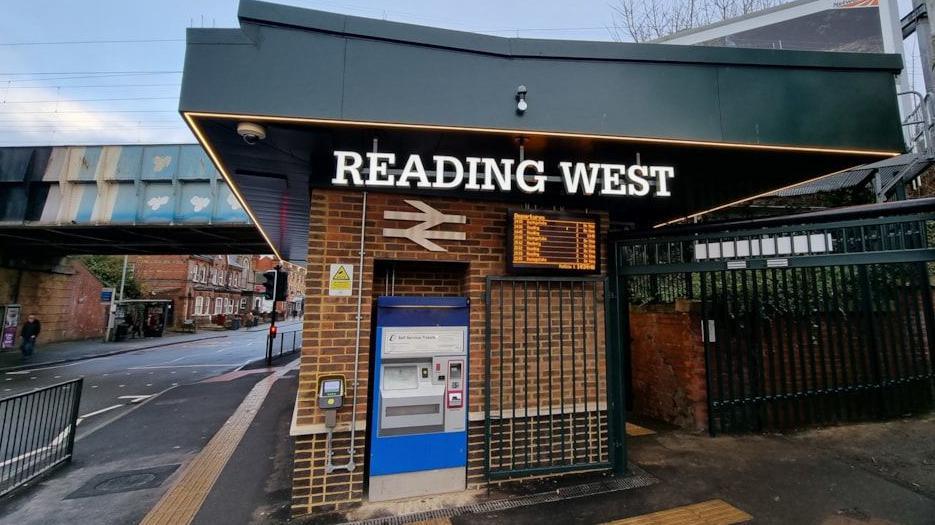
(806, 324)
(546, 375)
(37, 432)
(283, 343)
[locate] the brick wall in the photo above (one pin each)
(668, 366)
(329, 328)
(67, 302)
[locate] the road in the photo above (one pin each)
(114, 384)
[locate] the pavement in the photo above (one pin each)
(69, 351)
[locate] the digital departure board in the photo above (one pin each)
(553, 242)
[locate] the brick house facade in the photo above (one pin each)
(204, 288)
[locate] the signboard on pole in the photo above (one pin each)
(341, 280)
(107, 295)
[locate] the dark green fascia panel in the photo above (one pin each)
(302, 63)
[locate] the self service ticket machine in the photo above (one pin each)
(419, 426)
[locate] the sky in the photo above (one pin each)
(109, 71)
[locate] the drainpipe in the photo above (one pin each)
(350, 465)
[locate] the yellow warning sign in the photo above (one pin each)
(341, 280)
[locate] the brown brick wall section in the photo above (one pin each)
(67, 304)
(329, 328)
(668, 366)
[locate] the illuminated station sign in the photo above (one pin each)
(553, 242)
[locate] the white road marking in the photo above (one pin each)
(101, 411)
(183, 366)
(136, 399)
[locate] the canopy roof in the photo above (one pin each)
(733, 122)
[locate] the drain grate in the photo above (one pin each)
(126, 481)
(637, 478)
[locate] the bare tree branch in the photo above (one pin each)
(642, 21)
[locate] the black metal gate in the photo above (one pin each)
(810, 324)
(546, 376)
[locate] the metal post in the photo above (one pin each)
(272, 324)
(123, 277)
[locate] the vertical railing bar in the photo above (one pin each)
(820, 302)
(899, 321)
(5, 427)
(801, 370)
(23, 439)
(8, 452)
(526, 441)
(904, 323)
(706, 343)
(502, 353)
(584, 369)
(844, 344)
(838, 359)
(907, 333)
(513, 376)
(865, 343)
(574, 374)
(551, 377)
(929, 318)
(789, 362)
(780, 359)
(879, 308)
(758, 346)
(21, 406)
(538, 375)
(750, 316)
(816, 399)
(769, 368)
(41, 431)
(73, 417)
(871, 342)
(729, 348)
(561, 361)
(920, 287)
(488, 366)
(56, 424)
(831, 358)
(597, 370)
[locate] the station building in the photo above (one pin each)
(466, 206)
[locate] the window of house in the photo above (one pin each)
(228, 306)
(243, 303)
(199, 304)
(218, 305)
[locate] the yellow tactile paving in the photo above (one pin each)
(712, 512)
(181, 503)
(636, 430)
(434, 521)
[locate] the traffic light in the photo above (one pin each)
(270, 284)
(276, 285)
(282, 286)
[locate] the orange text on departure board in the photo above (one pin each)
(561, 243)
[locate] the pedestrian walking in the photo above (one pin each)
(29, 333)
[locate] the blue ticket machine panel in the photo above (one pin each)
(418, 431)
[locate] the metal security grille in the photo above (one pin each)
(546, 381)
(802, 324)
(816, 345)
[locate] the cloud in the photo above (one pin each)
(63, 122)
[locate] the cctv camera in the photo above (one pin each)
(250, 132)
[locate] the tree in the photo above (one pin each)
(646, 20)
(108, 269)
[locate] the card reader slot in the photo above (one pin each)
(413, 410)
